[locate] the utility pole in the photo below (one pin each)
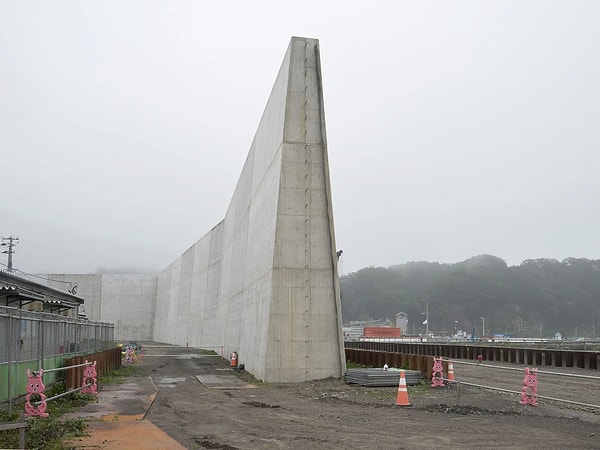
(426, 300)
(427, 318)
(9, 242)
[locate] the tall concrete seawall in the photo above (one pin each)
(263, 282)
(125, 300)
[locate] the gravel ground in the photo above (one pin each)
(329, 414)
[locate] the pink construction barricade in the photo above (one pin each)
(437, 374)
(529, 390)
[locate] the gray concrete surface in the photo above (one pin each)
(117, 419)
(167, 397)
(125, 300)
(263, 282)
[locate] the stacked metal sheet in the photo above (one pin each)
(380, 377)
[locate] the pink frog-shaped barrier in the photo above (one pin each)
(129, 354)
(437, 376)
(35, 386)
(89, 378)
(529, 384)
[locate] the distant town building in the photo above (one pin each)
(355, 329)
(402, 323)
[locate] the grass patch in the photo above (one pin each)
(48, 433)
(117, 376)
(419, 390)
(201, 351)
(353, 365)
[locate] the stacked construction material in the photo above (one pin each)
(380, 377)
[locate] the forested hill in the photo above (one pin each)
(536, 298)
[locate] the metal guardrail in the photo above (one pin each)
(58, 369)
(35, 387)
(492, 388)
(376, 358)
(543, 397)
(573, 375)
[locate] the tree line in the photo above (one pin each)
(537, 298)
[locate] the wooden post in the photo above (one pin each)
(20, 424)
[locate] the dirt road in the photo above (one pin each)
(329, 414)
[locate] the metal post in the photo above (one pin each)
(22, 430)
(77, 336)
(426, 323)
(427, 318)
(58, 369)
(41, 339)
(10, 348)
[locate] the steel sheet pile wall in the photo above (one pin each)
(539, 357)
(372, 358)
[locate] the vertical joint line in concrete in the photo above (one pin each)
(306, 171)
(307, 222)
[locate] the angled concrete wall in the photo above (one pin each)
(264, 281)
(305, 322)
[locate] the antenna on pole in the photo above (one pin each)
(9, 242)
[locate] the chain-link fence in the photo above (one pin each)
(34, 340)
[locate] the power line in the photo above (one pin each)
(72, 286)
(42, 278)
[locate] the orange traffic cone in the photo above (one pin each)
(451, 372)
(402, 399)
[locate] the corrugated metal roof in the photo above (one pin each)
(15, 289)
(21, 292)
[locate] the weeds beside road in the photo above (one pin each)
(47, 433)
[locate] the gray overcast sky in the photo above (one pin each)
(455, 128)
